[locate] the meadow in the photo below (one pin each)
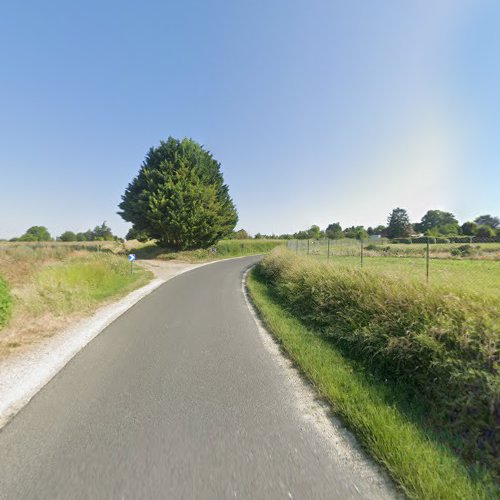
(476, 269)
(412, 368)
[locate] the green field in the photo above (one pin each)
(479, 272)
(480, 276)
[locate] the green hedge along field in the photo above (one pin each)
(224, 249)
(439, 344)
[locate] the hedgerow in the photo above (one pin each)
(438, 343)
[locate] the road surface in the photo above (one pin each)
(178, 398)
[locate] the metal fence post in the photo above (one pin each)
(296, 246)
(361, 244)
(307, 246)
(328, 251)
(427, 262)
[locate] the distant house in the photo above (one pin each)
(375, 237)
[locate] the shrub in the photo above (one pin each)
(440, 344)
(463, 251)
(423, 239)
(485, 232)
(5, 303)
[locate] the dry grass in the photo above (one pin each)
(54, 285)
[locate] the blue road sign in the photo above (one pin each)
(131, 257)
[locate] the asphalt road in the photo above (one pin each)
(178, 398)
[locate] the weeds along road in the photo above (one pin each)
(178, 398)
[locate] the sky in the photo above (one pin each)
(319, 111)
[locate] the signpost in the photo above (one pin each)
(131, 258)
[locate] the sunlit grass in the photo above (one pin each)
(423, 466)
(53, 285)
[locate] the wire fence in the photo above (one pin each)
(475, 267)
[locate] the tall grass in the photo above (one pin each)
(440, 344)
(5, 303)
(81, 282)
(54, 284)
(424, 468)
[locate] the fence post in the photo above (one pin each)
(307, 246)
(328, 251)
(361, 244)
(427, 262)
(296, 246)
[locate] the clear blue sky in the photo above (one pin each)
(319, 111)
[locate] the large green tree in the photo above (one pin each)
(439, 221)
(179, 197)
(398, 224)
(36, 233)
(487, 220)
(334, 231)
(356, 232)
(68, 236)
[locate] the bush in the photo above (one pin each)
(406, 241)
(439, 343)
(5, 303)
(485, 232)
(463, 251)
(423, 239)
(442, 240)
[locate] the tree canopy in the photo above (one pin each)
(398, 224)
(36, 233)
(438, 222)
(179, 197)
(68, 236)
(334, 231)
(356, 232)
(488, 220)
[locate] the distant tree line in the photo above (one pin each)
(435, 223)
(41, 233)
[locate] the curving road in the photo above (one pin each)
(178, 398)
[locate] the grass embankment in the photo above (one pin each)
(413, 370)
(53, 286)
(224, 249)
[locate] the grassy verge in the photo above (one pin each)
(394, 427)
(52, 287)
(224, 249)
(5, 303)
